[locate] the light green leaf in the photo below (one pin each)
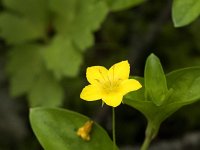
(16, 29)
(76, 20)
(185, 11)
(27, 76)
(56, 130)
(24, 66)
(155, 81)
(117, 5)
(62, 57)
(46, 91)
(36, 10)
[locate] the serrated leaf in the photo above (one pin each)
(185, 11)
(16, 29)
(62, 57)
(56, 129)
(23, 67)
(117, 5)
(77, 20)
(46, 91)
(155, 81)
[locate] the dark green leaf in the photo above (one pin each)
(155, 81)
(185, 11)
(185, 84)
(56, 130)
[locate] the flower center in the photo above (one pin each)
(111, 86)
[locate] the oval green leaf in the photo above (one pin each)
(155, 81)
(56, 130)
(184, 90)
(185, 84)
(185, 11)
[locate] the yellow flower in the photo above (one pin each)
(109, 85)
(84, 131)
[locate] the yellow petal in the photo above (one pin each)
(129, 85)
(113, 99)
(120, 71)
(91, 93)
(96, 74)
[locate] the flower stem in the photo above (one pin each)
(113, 128)
(151, 132)
(146, 143)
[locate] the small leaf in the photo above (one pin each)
(117, 5)
(62, 57)
(56, 129)
(185, 11)
(17, 29)
(155, 81)
(46, 91)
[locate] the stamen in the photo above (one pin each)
(102, 75)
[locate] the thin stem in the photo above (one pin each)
(146, 143)
(113, 128)
(151, 133)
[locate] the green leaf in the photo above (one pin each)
(185, 83)
(23, 67)
(28, 76)
(117, 5)
(76, 20)
(16, 29)
(155, 114)
(184, 89)
(155, 81)
(185, 11)
(62, 57)
(46, 91)
(36, 10)
(56, 130)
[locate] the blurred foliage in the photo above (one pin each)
(47, 40)
(27, 54)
